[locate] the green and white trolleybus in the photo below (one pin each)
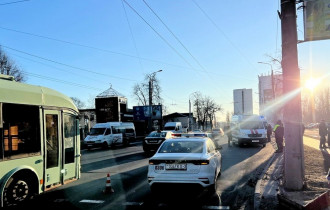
(39, 140)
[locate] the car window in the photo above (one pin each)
(97, 131)
(181, 147)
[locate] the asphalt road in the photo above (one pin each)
(127, 167)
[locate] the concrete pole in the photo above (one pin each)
(294, 152)
(150, 104)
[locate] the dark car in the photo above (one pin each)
(152, 142)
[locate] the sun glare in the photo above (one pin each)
(311, 83)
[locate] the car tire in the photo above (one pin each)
(213, 187)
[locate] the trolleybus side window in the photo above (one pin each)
(21, 131)
(52, 140)
(69, 135)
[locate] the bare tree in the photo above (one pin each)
(8, 67)
(205, 109)
(141, 91)
(79, 104)
(322, 104)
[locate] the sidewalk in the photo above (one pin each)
(269, 192)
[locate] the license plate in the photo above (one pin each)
(161, 168)
(255, 140)
(176, 167)
(153, 141)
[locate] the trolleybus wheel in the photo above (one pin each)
(18, 189)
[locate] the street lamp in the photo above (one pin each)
(151, 78)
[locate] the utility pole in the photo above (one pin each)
(294, 151)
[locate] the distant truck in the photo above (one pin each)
(110, 134)
(249, 129)
(175, 127)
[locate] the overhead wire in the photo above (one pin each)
(132, 36)
(96, 48)
(67, 65)
(223, 33)
(13, 2)
(194, 58)
(59, 69)
(160, 36)
(61, 81)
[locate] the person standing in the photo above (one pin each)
(279, 135)
(228, 133)
(269, 132)
(323, 131)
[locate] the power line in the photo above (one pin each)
(13, 2)
(61, 81)
(160, 36)
(200, 65)
(131, 32)
(93, 48)
(63, 64)
(66, 71)
(223, 33)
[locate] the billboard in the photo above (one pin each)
(142, 112)
(316, 20)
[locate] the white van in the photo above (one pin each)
(248, 129)
(110, 134)
(175, 127)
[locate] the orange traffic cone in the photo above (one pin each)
(108, 188)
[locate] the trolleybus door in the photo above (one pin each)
(52, 147)
(70, 157)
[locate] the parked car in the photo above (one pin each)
(185, 160)
(152, 142)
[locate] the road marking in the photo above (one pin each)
(133, 204)
(91, 201)
(216, 207)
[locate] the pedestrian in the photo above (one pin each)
(279, 135)
(228, 133)
(269, 132)
(323, 132)
(303, 129)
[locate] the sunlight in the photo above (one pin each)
(312, 82)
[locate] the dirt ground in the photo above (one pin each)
(317, 164)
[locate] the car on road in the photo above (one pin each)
(152, 142)
(216, 132)
(185, 160)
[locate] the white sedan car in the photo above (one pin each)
(185, 160)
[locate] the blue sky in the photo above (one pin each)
(117, 46)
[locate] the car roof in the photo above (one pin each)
(201, 139)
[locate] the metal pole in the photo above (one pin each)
(189, 124)
(150, 104)
(294, 153)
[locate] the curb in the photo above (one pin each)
(257, 191)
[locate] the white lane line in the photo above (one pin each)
(91, 201)
(216, 207)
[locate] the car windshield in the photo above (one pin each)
(169, 128)
(181, 147)
(157, 134)
(252, 125)
(97, 131)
